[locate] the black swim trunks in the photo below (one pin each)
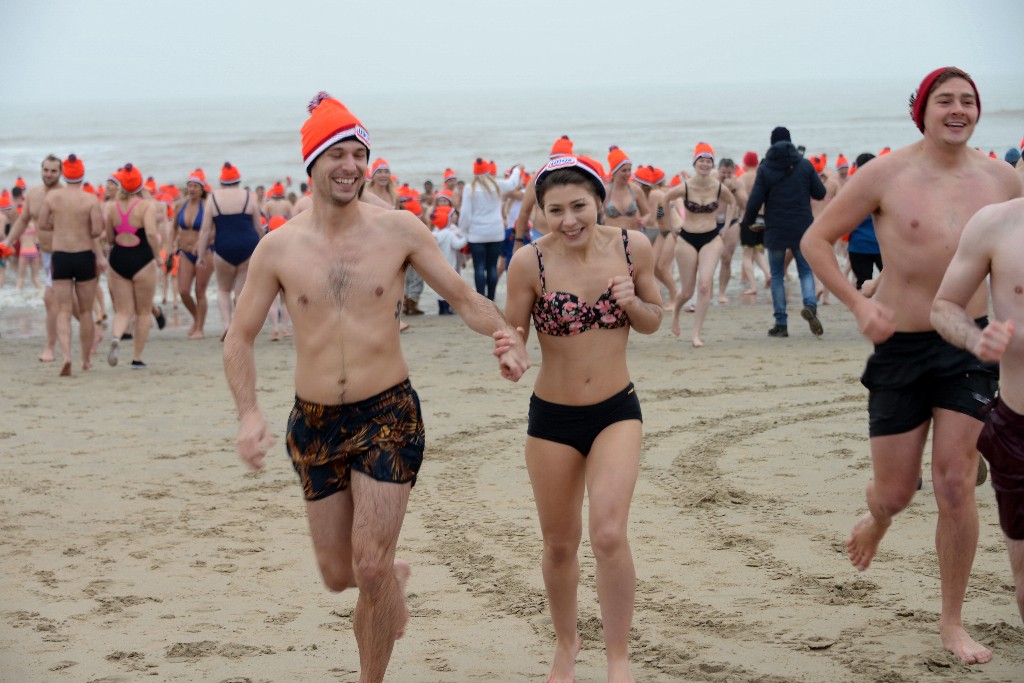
(752, 238)
(911, 373)
(1002, 443)
(79, 266)
(381, 436)
(579, 426)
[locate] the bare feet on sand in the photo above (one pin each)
(723, 299)
(402, 573)
(65, 371)
(403, 326)
(675, 323)
(47, 356)
(956, 640)
(697, 343)
(563, 668)
(864, 539)
(750, 292)
(620, 673)
(197, 334)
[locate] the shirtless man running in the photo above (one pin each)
(921, 196)
(77, 257)
(29, 217)
(991, 244)
(355, 435)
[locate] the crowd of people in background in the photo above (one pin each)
(630, 238)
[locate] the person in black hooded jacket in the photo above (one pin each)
(785, 184)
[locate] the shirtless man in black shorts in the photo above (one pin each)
(355, 435)
(921, 196)
(992, 244)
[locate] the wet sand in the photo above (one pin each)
(137, 547)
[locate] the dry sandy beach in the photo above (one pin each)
(135, 546)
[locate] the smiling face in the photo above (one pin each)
(338, 174)
(50, 172)
(704, 165)
(951, 112)
(571, 212)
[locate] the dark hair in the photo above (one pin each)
(17, 192)
(863, 159)
(53, 157)
(567, 176)
(726, 162)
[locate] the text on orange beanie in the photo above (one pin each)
(329, 123)
(703, 149)
(276, 222)
(481, 167)
(276, 191)
(919, 98)
(440, 216)
(73, 169)
(229, 174)
(582, 164)
(130, 179)
(379, 164)
(562, 147)
(616, 159)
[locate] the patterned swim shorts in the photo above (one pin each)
(381, 436)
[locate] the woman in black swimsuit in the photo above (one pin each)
(700, 247)
(131, 223)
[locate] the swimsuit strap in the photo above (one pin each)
(719, 192)
(686, 189)
(625, 246)
(215, 204)
(246, 205)
(540, 264)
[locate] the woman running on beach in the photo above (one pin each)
(131, 226)
(233, 215)
(626, 206)
(480, 220)
(652, 181)
(585, 285)
(700, 246)
(188, 222)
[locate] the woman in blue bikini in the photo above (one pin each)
(585, 429)
(188, 222)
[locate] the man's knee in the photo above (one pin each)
(372, 572)
(337, 577)
(954, 488)
(894, 497)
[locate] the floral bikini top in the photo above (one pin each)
(563, 314)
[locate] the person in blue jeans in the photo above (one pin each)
(784, 185)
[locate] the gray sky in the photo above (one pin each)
(72, 50)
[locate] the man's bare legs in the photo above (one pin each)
(612, 467)
(355, 533)
(896, 464)
(65, 292)
(954, 472)
(50, 303)
(557, 474)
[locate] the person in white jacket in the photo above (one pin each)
(480, 219)
(450, 239)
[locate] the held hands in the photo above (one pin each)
(875, 320)
(993, 341)
(254, 440)
(511, 353)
